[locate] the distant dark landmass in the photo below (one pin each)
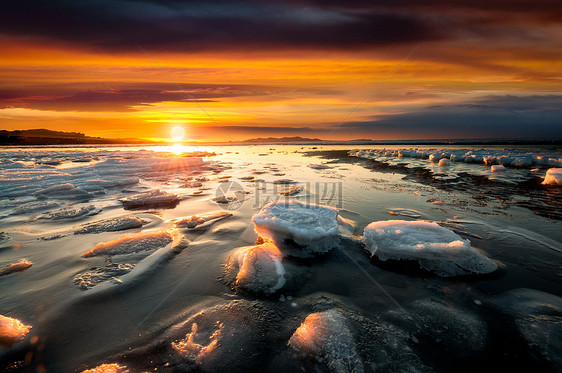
(281, 139)
(48, 137)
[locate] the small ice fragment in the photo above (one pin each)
(20, 266)
(319, 166)
(196, 220)
(435, 248)
(293, 304)
(111, 225)
(153, 199)
(298, 229)
(498, 167)
(553, 176)
(108, 368)
(291, 191)
(477, 302)
(131, 244)
(326, 335)
(438, 202)
(284, 181)
(12, 331)
(444, 162)
(282, 298)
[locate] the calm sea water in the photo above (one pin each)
(400, 318)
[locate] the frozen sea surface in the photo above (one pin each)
(179, 259)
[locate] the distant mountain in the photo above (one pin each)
(43, 136)
(282, 139)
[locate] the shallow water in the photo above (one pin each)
(399, 317)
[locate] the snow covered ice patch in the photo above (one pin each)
(298, 229)
(435, 248)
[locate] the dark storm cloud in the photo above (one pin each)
(190, 26)
(490, 117)
(245, 24)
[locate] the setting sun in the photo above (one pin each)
(177, 133)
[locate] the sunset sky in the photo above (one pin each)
(232, 70)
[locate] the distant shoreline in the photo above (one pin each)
(43, 137)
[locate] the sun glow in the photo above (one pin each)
(177, 133)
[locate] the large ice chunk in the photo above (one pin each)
(12, 331)
(298, 229)
(325, 335)
(260, 268)
(553, 176)
(435, 248)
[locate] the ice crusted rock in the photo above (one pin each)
(108, 368)
(325, 335)
(111, 225)
(12, 331)
(19, 266)
(538, 319)
(153, 199)
(553, 176)
(131, 244)
(298, 229)
(435, 248)
(260, 268)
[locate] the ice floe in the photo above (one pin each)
(497, 168)
(553, 177)
(18, 266)
(12, 331)
(131, 244)
(435, 248)
(325, 336)
(259, 268)
(153, 199)
(298, 229)
(110, 225)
